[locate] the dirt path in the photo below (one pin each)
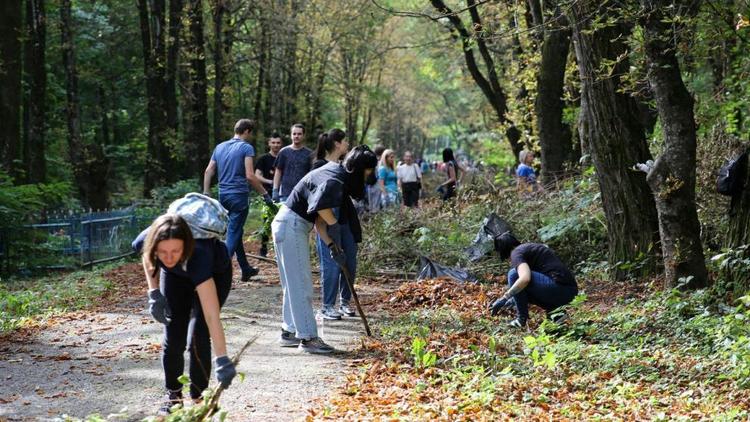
(105, 361)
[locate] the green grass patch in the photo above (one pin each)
(23, 300)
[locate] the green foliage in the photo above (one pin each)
(20, 202)
(24, 300)
(163, 196)
(423, 358)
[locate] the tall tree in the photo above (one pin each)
(11, 25)
(617, 139)
(672, 178)
(35, 101)
(170, 76)
(152, 23)
(488, 82)
(90, 165)
(554, 135)
(223, 38)
(196, 112)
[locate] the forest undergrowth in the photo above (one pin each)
(629, 351)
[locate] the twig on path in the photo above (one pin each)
(208, 410)
(261, 258)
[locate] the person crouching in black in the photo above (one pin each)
(536, 276)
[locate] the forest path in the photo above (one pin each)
(105, 360)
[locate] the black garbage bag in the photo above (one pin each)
(484, 240)
(431, 269)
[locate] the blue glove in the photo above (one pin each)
(338, 255)
(275, 194)
(334, 232)
(501, 303)
(225, 371)
(158, 306)
(268, 200)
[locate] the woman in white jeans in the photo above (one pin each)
(311, 203)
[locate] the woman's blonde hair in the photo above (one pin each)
(384, 159)
(165, 227)
(522, 156)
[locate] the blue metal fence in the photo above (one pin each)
(71, 239)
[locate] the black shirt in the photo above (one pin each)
(320, 162)
(209, 259)
(320, 189)
(543, 260)
(265, 165)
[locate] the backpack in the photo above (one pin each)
(205, 215)
(731, 178)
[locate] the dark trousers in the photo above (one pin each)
(542, 291)
(188, 329)
(237, 206)
(411, 193)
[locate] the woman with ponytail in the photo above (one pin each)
(331, 146)
(313, 202)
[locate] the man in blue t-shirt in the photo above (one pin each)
(292, 164)
(234, 161)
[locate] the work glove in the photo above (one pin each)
(158, 306)
(225, 371)
(338, 255)
(334, 232)
(499, 304)
(268, 200)
(275, 194)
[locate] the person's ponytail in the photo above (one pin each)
(322, 149)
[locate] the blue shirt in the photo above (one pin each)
(230, 159)
(389, 178)
(294, 165)
(526, 172)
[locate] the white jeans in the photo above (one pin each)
(290, 238)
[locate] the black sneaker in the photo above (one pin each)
(517, 323)
(263, 251)
(247, 275)
(172, 399)
(288, 339)
(315, 346)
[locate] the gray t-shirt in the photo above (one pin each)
(294, 165)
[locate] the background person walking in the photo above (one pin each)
(409, 180)
(293, 162)
(234, 161)
(387, 180)
(264, 170)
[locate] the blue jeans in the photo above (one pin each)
(290, 239)
(541, 291)
(331, 278)
(236, 204)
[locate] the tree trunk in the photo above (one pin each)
(36, 74)
(489, 84)
(672, 179)
(196, 133)
(152, 37)
(739, 212)
(223, 40)
(554, 135)
(170, 77)
(90, 165)
(617, 142)
(11, 25)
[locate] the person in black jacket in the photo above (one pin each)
(536, 276)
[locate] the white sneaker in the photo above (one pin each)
(347, 310)
(329, 313)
